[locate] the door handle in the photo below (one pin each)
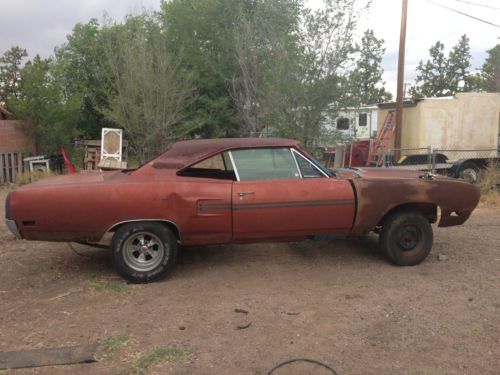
(243, 193)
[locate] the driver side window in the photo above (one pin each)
(265, 164)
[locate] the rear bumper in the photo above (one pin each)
(11, 224)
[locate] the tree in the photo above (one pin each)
(50, 116)
(316, 81)
(10, 73)
(459, 63)
(149, 92)
(365, 81)
(490, 71)
(444, 76)
(79, 66)
(432, 79)
(201, 32)
(265, 43)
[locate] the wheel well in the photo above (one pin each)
(170, 225)
(428, 210)
(473, 163)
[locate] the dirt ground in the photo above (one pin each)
(337, 302)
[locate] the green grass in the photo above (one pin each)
(112, 344)
(160, 354)
(103, 285)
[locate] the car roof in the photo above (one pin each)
(185, 153)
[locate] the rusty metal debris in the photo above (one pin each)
(48, 356)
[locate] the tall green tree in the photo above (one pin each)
(490, 71)
(10, 73)
(365, 81)
(432, 77)
(443, 75)
(79, 66)
(49, 116)
(327, 45)
(459, 64)
(201, 32)
(266, 47)
(149, 92)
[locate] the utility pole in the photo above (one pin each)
(401, 73)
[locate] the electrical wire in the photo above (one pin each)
(464, 14)
(313, 361)
(477, 4)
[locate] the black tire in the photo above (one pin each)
(469, 171)
(406, 237)
(145, 259)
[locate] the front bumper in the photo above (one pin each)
(11, 224)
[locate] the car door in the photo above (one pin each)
(279, 193)
(203, 203)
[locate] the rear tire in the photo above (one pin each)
(143, 251)
(406, 238)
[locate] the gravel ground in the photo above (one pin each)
(339, 302)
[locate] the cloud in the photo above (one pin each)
(39, 26)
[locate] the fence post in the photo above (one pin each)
(350, 156)
(338, 162)
(429, 158)
(433, 159)
(2, 180)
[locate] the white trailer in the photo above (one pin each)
(464, 130)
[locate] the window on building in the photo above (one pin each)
(363, 119)
(343, 123)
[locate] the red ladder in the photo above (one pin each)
(379, 149)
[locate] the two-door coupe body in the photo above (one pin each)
(220, 191)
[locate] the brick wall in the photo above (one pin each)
(13, 139)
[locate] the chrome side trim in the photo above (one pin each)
(11, 224)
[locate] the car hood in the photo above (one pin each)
(390, 173)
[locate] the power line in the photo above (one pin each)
(477, 4)
(464, 14)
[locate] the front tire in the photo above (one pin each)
(406, 238)
(143, 251)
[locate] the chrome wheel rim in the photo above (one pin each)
(143, 251)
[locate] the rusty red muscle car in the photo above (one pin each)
(218, 191)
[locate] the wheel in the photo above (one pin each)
(143, 251)
(469, 172)
(406, 238)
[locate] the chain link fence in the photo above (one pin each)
(454, 162)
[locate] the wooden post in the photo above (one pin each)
(400, 85)
(13, 160)
(2, 178)
(8, 173)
